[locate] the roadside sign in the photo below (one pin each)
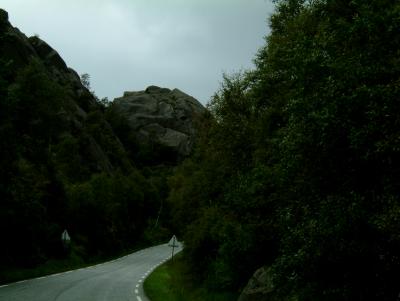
(173, 243)
(65, 237)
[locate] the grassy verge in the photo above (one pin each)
(170, 282)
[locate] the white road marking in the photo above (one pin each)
(138, 285)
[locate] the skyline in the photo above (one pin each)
(129, 45)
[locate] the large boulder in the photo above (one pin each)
(162, 116)
(261, 288)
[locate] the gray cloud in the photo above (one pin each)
(130, 44)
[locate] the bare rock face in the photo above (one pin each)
(157, 116)
(19, 51)
(162, 116)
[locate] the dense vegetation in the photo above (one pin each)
(296, 167)
(298, 164)
(63, 167)
(50, 183)
(173, 282)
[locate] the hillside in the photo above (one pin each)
(286, 188)
(295, 183)
(64, 165)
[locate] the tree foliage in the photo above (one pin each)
(299, 162)
(63, 169)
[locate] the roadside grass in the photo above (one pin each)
(170, 282)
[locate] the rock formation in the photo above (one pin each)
(261, 288)
(19, 51)
(157, 116)
(162, 116)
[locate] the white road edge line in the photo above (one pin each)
(75, 270)
(18, 282)
(138, 298)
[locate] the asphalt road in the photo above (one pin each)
(117, 280)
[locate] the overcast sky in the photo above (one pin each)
(127, 45)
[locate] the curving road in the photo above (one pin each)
(117, 280)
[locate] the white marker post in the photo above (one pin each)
(173, 243)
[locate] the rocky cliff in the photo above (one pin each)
(162, 116)
(19, 50)
(73, 102)
(67, 162)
